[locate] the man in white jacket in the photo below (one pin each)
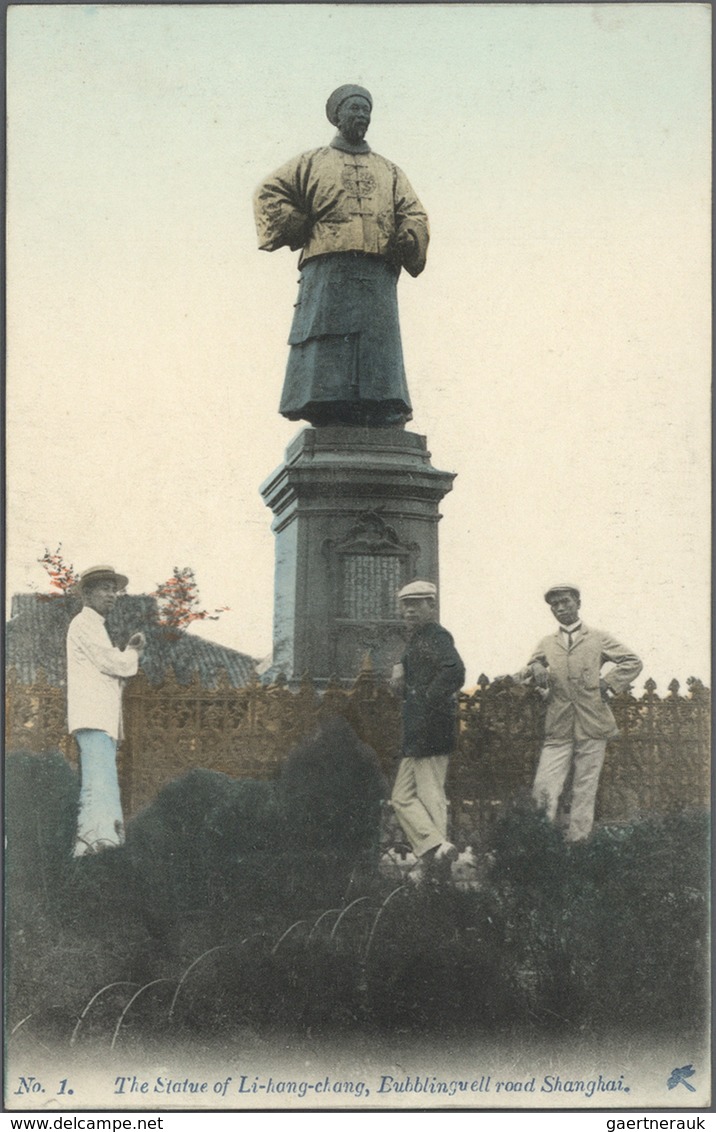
(96, 673)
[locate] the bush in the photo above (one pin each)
(607, 932)
(60, 908)
(41, 799)
(202, 849)
(252, 892)
(330, 791)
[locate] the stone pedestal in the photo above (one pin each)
(356, 514)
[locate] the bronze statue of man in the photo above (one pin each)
(357, 222)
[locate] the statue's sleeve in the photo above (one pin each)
(280, 208)
(411, 225)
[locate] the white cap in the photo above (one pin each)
(563, 587)
(418, 590)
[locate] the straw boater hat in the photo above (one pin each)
(340, 95)
(565, 587)
(417, 591)
(101, 574)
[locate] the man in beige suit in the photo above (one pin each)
(567, 667)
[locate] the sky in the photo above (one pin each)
(557, 344)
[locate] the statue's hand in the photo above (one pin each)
(410, 251)
(407, 241)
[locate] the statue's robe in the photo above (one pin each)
(346, 208)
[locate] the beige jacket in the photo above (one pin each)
(575, 707)
(342, 200)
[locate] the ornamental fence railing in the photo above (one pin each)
(660, 762)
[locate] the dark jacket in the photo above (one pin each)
(433, 675)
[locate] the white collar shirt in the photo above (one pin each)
(96, 672)
(569, 632)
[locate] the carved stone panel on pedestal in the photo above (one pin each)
(365, 570)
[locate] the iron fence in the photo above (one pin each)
(660, 761)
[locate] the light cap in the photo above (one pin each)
(565, 587)
(418, 590)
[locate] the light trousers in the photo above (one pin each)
(552, 770)
(419, 801)
(100, 823)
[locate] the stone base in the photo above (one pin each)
(356, 514)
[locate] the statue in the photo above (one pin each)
(357, 222)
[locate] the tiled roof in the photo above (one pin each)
(36, 633)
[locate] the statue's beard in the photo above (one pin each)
(354, 134)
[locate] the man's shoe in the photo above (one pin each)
(446, 853)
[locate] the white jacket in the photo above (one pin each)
(96, 672)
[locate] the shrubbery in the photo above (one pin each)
(240, 903)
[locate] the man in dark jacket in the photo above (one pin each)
(429, 677)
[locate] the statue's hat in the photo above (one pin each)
(350, 90)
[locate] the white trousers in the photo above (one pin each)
(100, 824)
(552, 770)
(419, 801)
